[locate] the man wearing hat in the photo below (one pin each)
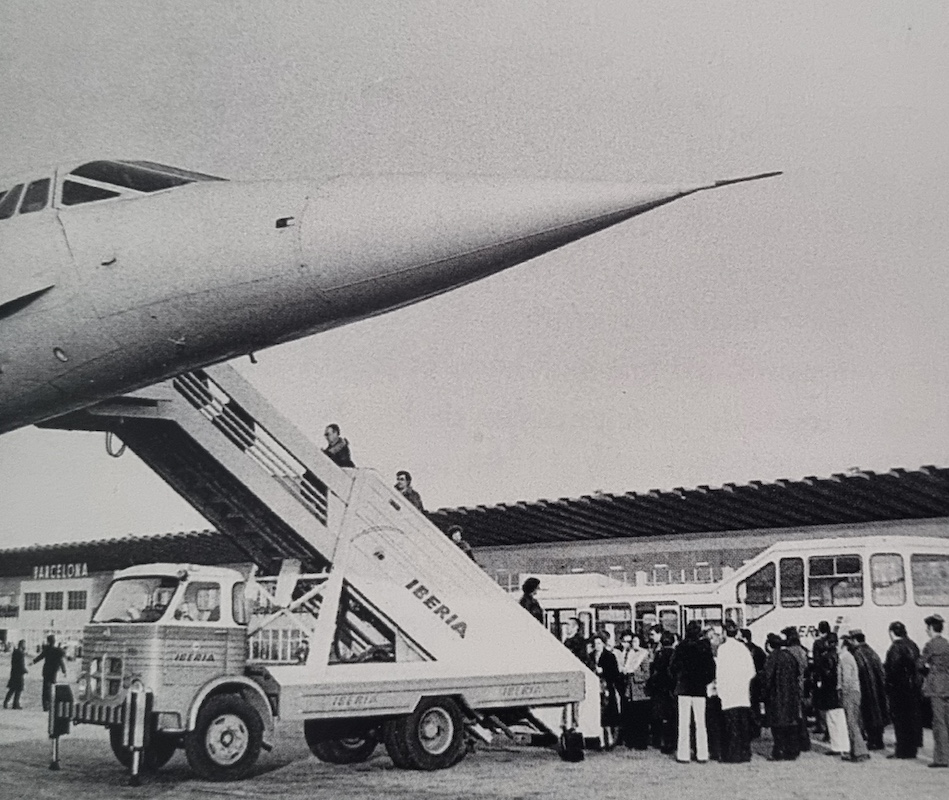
(934, 663)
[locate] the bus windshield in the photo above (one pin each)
(137, 600)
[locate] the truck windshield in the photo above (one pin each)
(143, 599)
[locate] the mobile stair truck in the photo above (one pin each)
(361, 621)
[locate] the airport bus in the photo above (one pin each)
(863, 582)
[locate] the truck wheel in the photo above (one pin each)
(158, 753)
(337, 743)
(226, 741)
(431, 737)
(353, 750)
(394, 741)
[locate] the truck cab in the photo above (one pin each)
(170, 628)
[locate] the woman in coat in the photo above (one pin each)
(603, 663)
(827, 696)
(636, 668)
(782, 689)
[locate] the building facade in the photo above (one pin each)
(683, 536)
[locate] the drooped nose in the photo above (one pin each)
(402, 238)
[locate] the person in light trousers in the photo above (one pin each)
(693, 667)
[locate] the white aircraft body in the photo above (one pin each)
(117, 274)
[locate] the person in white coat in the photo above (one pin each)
(734, 669)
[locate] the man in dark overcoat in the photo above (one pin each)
(873, 704)
(17, 671)
(782, 693)
(53, 659)
(792, 643)
(903, 691)
(575, 641)
(759, 658)
(661, 688)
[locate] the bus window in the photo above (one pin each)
(834, 581)
(792, 582)
(734, 613)
(586, 623)
(613, 619)
(930, 573)
(556, 620)
(887, 579)
(35, 196)
(669, 619)
(10, 199)
(645, 618)
(757, 592)
(709, 616)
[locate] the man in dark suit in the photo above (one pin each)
(934, 662)
(53, 659)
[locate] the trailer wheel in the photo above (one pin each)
(158, 753)
(431, 737)
(226, 741)
(339, 744)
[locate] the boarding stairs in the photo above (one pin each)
(389, 609)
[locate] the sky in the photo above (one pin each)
(779, 329)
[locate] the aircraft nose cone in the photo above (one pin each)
(410, 237)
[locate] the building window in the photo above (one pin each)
(31, 601)
(76, 601)
(930, 579)
(54, 601)
(702, 572)
(661, 575)
(887, 579)
(835, 581)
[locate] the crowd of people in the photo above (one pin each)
(708, 696)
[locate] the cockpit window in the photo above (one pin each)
(35, 197)
(140, 176)
(10, 199)
(75, 193)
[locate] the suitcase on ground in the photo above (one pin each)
(570, 745)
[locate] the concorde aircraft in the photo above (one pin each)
(117, 274)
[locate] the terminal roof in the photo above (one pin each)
(847, 498)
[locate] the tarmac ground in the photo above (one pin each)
(89, 771)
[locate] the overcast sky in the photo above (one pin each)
(786, 328)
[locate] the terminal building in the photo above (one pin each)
(661, 537)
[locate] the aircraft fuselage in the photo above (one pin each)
(102, 296)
